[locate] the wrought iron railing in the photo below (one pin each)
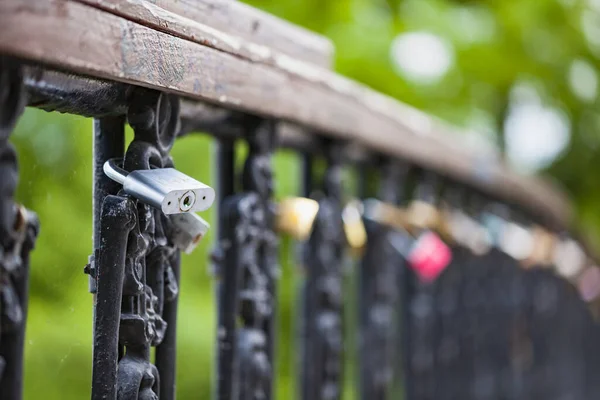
(470, 283)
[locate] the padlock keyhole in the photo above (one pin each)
(187, 201)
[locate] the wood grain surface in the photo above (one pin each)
(78, 38)
(152, 16)
(228, 25)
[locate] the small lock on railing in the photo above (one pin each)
(354, 227)
(167, 189)
(296, 215)
(413, 235)
(189, 229)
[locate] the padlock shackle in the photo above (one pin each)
(114, 172)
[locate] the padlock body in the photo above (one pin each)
(169, 190)
(189, 229)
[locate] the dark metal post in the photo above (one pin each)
(402, 386)
(109, 142)
(420, 315)
(227, 277)
(307, 175)
(18, 231)
(167, 350)
(322, 363)
(12, 342)
(246, 266)
(118, 218)
(378, 298)
(303, 337)
(259, 284)
(225, 173)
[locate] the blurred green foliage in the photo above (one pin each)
(495, 45)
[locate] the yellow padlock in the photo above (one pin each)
(543, 248)
(296, 216)
(354, 228)
(423, 215)
(444, 224)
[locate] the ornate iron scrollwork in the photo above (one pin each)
(136, 269)
(18, 231)
(246, 260)
(322, 362)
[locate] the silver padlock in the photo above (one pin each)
(189, 229)
(165, 188)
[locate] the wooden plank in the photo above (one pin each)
(256, 26)
(82, 39)
(226, 25)
(152, 16)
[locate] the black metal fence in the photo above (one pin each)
(459, 295)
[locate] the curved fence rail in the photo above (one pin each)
(470, 282)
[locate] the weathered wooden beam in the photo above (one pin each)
(226, 25)
(82, 39)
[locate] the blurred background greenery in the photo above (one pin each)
(519, 74)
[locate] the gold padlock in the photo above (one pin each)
(543, 248)
(444, 224)
(385, 214)
(296, 216)
(423, 215)
(354, 228)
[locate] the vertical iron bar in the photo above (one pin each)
(303, 338)
(12, 344)
(362, 185)
(225, 175)
(407, 292)
(109, 142)
(228, 278)
(403, 387)
(307, 288)
(307, 175)
(258, 290)
(420, 316)
(166, 351)
(323, 358)
(18, 231)
(118, 218)
(378, 299)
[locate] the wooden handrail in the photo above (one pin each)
(233, 18)
(225, 25)
(160, 49)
